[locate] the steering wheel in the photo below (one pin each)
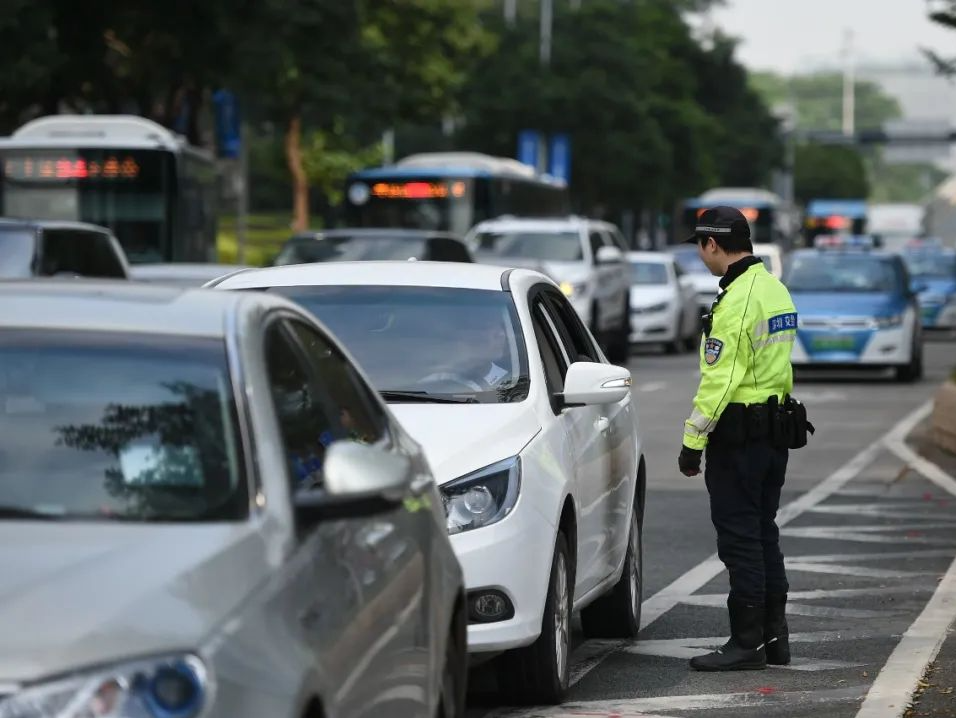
(451, 378)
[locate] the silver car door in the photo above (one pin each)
(387, 555)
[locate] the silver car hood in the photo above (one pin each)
(75, 595)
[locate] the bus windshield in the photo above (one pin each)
(128, 191)
(426, 203)
(442, 200)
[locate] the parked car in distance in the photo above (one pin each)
(182, 274)
(361, 244)
(585, 257)
(214, 516)
(772, 257)
(705, 284)
(533, 436)
(664, 307)
(41, 248)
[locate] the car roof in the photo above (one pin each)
(50, 224)
(118, 306)
(542, 223)
(657, 257)
(376, 232)
(762, 248)
(184, 270)
(457, 275)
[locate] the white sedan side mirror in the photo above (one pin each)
(590, 383)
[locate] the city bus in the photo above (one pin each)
(153, 190)
(834, 217)
(451, 192)
(771, 220)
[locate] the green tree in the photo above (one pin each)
(828, 172)
(626, 82)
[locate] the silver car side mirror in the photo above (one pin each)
(358, 480)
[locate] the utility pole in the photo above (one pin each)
(849, 85)
(547, 20)
(511, 12)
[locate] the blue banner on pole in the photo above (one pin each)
(528, 142)
(560, 157)
(228, 122)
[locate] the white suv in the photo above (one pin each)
(586, 258)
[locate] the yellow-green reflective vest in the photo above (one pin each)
(746, 356)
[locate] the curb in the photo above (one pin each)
(944, 417)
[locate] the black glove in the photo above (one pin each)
(689, 461)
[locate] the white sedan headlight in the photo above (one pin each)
(482, 497)
(172, 687)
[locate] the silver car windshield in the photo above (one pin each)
(457, 344)
(105, 426)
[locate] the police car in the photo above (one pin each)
(933, 277)
(855, 308)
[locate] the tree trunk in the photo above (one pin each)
(300, 185)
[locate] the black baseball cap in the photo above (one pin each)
(720, 223)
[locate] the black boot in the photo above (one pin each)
(776, 634)
(744, 651)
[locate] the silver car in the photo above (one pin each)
(205, 511)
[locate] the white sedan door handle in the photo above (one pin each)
(602, 424)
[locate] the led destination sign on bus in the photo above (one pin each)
(112, 167)
(418, 190)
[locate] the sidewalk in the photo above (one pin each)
(936, 694)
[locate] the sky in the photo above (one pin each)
(793, 36)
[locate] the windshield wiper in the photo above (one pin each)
(20, 512)
(424, 397)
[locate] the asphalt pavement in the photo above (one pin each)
(869, 532)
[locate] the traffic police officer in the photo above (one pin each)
(745, 376)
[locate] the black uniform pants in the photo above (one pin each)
(744, 483)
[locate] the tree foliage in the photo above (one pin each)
(652, 116)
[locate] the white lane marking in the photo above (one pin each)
(897, 444)
(650, 707)
(700, 575)
(892, 510)
(868, 535)
(861, 571)
(796, 609)
(652, 386)
(893, 688)
(821, 397)
(884, 556)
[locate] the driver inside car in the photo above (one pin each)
(477, 355)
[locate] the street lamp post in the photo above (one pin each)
(547, 20)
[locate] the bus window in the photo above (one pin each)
(127, 191)
(160, 202)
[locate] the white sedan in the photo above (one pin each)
(663, 302)
(531, 434)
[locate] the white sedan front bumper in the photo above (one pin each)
(513, 557)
